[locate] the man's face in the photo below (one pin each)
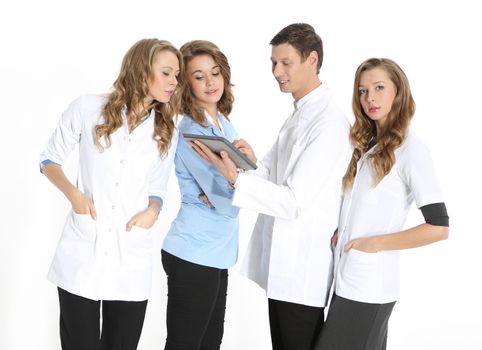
(290, 72)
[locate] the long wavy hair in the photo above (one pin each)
(189, 106)
(394, 130)
(131, 89)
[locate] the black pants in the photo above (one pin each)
(80, 323)
(294, 326)
(353, 325)
(196, 304)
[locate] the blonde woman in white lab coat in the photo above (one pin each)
(127, 141)
(390, 168)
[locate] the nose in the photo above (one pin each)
(174, 80)
(276, 70)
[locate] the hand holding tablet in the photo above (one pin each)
(218, 144)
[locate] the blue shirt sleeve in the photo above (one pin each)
(197, 176)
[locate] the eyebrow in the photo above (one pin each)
(200, 71)
(281, 59)
(374, 83)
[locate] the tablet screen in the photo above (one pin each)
(218, 144)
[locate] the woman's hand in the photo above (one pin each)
(81, 204)
(334, 239)
(203, 198)
(145, 219)
(246, 149)
(363, 244)
(224, 164)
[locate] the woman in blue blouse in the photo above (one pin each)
(202, 242)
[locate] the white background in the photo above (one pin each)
(53, 51)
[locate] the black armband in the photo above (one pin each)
(435, 214)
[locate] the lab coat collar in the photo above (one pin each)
(319, 93)
(147, 116)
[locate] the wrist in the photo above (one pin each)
(155, 209)
(233, 178)
(72, 194)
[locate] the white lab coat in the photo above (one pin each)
(369, 211)
(99, 259)
(297, 190)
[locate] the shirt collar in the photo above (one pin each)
(211, 120)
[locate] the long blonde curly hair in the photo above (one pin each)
(394, 130)
(131, 89)
(189, 106)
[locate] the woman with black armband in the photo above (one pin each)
(389, 169)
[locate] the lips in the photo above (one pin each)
(373, 109)
(211, 92)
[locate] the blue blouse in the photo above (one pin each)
(201, 234)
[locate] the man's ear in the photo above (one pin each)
(313, 58)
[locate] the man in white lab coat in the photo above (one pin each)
(297, 191)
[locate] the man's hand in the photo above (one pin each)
(246, 149)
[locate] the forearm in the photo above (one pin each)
(155, 205)
(411, 238)
(261, 195)
(57, 177)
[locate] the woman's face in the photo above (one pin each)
(163, 81)
(205, 80)
(376, 92)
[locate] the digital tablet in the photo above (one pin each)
(218, 144)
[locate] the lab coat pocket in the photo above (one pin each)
(83, 227)
(138, 248)
(78, 238)
(361, 271)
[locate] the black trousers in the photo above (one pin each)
(196, 304)
(353, 325)
(80, 323)
(294, 326)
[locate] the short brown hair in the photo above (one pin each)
(303, 38)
